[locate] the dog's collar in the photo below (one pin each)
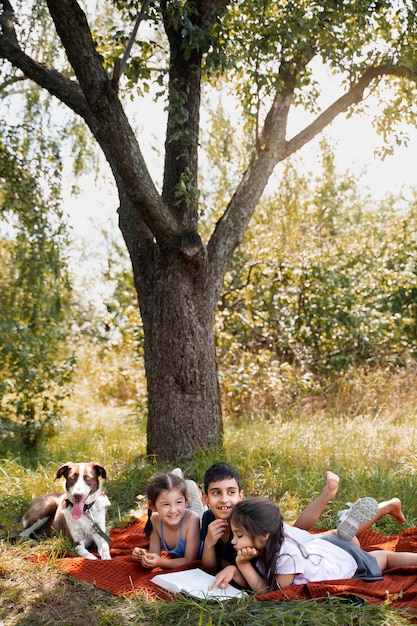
(86, 507)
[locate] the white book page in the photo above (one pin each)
(195, 582)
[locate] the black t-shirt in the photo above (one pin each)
(223, 551)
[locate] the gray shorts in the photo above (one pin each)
(368, 568)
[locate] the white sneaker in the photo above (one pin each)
(361, 511)
(194, 497)
(193, 494)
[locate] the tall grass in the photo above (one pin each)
(364, 431)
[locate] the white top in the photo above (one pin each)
(316, 560)
(298, 534)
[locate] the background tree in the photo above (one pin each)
(329, 290)
(269, 53)
(36, 365)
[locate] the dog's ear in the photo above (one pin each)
(62, 471)
(99, 470)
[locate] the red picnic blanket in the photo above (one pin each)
(124, 576)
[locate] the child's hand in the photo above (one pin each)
(151, 560)
(224, 577)
(138, 553)
(215, 531)
(245, 555)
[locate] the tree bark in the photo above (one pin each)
(177, 301)
(180, 360)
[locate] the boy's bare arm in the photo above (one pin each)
(209, 559)
(215, 531)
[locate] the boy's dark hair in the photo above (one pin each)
(218, 472)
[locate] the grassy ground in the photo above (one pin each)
(366, 434)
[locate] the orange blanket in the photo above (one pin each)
(123, 576)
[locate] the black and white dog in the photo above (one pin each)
(79, 513)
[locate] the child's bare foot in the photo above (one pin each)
(392, 507)
(332, 485)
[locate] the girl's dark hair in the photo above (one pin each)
(258, 517)
(158, 484)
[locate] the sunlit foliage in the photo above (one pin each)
(35, 363)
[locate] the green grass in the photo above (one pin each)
(371, 445)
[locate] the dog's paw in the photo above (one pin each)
(104, 553)
(85, 554)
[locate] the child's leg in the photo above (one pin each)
(333, 532)
(389, 507)
(309, 516)
(387, 559)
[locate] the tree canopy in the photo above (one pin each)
(269, 55)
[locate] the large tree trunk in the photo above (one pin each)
(177, 298)
(180, 361)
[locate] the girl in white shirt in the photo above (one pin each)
(268, 559)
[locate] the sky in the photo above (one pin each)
(355, 145)
(393, 174)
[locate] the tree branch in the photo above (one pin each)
(272, 149)
(54, 82)
(95, 101)
(7, 21)
(132, 38)
(74, 32)
(342, 104)
(111, 127)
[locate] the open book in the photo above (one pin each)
(196, 583)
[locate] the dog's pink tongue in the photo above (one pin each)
(77, 509)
